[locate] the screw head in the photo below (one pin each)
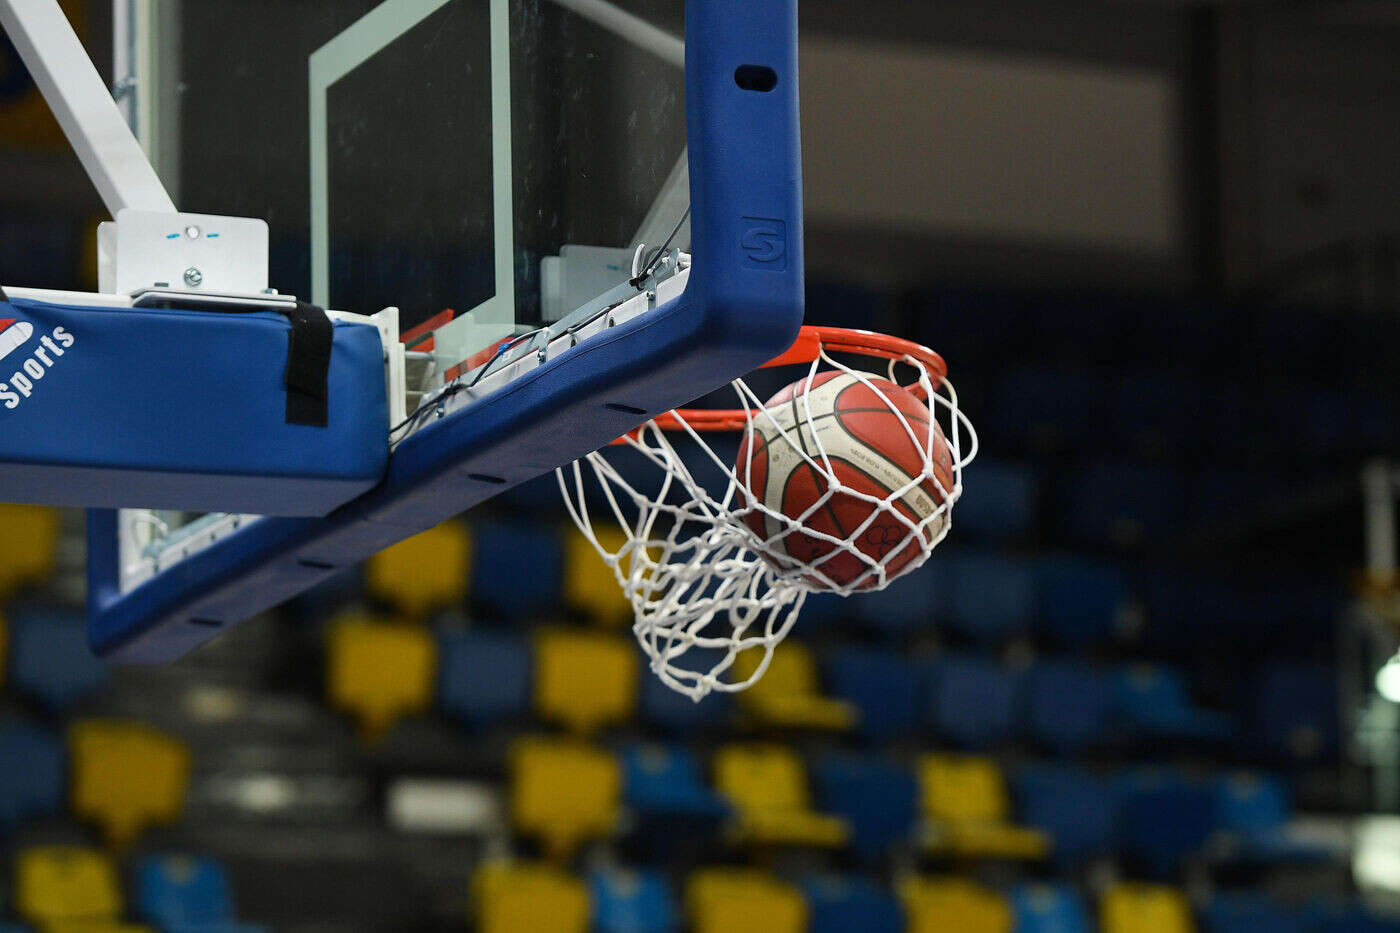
(193, 277)
(192, 232)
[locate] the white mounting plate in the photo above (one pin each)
(188, 252)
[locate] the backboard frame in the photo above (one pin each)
(738, 305)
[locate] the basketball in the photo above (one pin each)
(859, 424)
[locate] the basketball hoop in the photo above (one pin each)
(715, 565)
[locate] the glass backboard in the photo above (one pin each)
(502, 158)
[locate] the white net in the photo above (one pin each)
(843, 482)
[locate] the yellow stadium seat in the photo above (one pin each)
(563, 792)
(789, 694)
(55, 884)
(589, 584)
(585, 680)
(126, 776)
(767, 784)
(426, 572)
(743, 900)
(380, 671)
(1144, 908)
(965, 803)
(517, 898)
(939, 905)
(4, 647)
(38, 527)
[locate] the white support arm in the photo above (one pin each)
(83, 106)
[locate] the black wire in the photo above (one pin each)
(651, 263)
(456, 386)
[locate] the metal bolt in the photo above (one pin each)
(192, 232)
(651, 296)
(193, 277)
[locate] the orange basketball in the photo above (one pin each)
(870, 451)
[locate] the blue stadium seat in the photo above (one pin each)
(182, 890)
(1044, 409)
(1254, 809)
(1074, 806)
(1295, 711)
(1163, 818)
(908, 605)
(883, 685)
(665, 709)
(1069, 705)
(993, 595)
(1249, 913)
(970, 700)
(1046, 908)
(483, 675)
(632, 902)
(50, 661)
(517, 567)
(850, 905)
(1154, 702)
(33, 773)
(1079, 600)
(878, 799)
(1000, 505)
(668, 780)
(1158, 414)
(1121, 505)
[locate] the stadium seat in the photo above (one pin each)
(110, 926)
(664, 709)
(1249, 913)
(767, 784)
(379, 671)
(993, 596)
(850, 905)
(1001, 507)
(632, 902)
(1122, 505)
(64, 883)
(585, 680)
(970, 700)
(743, 900)
(1163, 819)
(33, 773)
(38, 527)
(937, 905)
(523, 898)
(908, 605)
(1047, 908)
(49, 658)
(1144, 908)
(1069, 705)
(182, 891)
(1075, 808)
(877, 798)
(789, 693)
(1333, 917)
(424, 573)
(963, 798)
(882, 685)
(517, 567)
(1252, 811)
(126, 776)
(1079, 600)
(668, 780)
(589, 584)
(1296, 714)
(563, 792)
(1153, 702)
(1044, 409)
(483, 676)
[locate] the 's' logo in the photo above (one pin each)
(764, 243)
(13, 335)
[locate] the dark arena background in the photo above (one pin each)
(1144, 687)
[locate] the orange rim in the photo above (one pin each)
(811, 340)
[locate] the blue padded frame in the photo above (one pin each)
(742, 306)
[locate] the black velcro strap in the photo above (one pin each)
(309, 366)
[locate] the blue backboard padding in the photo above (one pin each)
(742, 306)
(176, 409)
